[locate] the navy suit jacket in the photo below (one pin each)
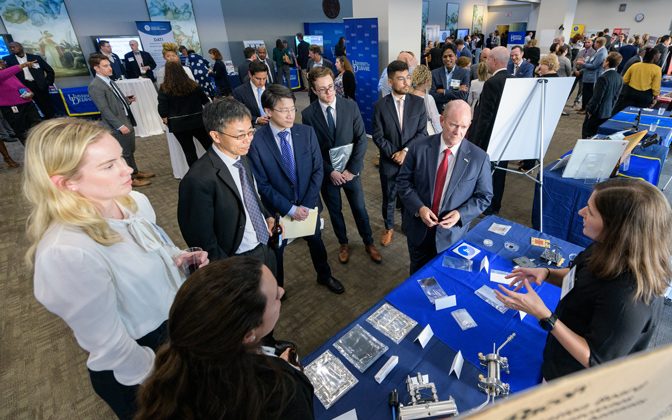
(449, 94)
(469, 189)
(133, 69)
(386, 133)
(43, 75)
(605, 94)
(525, 70)
(486, 110)
(349, 129)
(245, 95)
(275, 187)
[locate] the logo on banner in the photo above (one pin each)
(147, 28)
(361, 66)
(78, 98)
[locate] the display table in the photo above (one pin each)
(666, 82)
(625, 119)
(146, 106)
(524, 352)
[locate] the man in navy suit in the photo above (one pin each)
(338, 123)
(449, 82)
(399, 119)
(287, 165)
(117, 67)
(139, 63)
(605, 95)
(250, 92)
(37, 77)
(518, 67)
(444, 184)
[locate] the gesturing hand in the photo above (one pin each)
(529, 302)
(537, 275)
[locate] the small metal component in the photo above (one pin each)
(487, 242)
(492, 385)
(422, 407)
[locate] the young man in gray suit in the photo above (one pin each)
(115, 113)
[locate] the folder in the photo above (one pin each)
(292, 229)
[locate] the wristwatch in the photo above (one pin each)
(547, 324)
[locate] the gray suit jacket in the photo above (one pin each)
(469, 189)
(112, 111)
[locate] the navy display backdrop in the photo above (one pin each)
(330, 32)
(361, 37)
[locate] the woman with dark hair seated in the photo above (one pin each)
(613, 296)
(181, 103)
(213, 366)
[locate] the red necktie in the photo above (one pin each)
(441, 173)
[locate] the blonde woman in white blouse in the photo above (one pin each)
(476, 86)
(100, 261)
(421, 80)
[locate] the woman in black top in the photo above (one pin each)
(339, 50)
(213, 366)
(532, 53)
(219, 73)
(612, 297)
(181, 103)
(345, 82)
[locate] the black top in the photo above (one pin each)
(299, 406)
(603, 312)
(436, 55)
(221, 77)
(532, 54)
(183, 112)
(339, 51)
(349, 85)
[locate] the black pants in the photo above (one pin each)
(590, 126)
(122, 398)
(587, 94)
(21, 118)
(498, 181)
(41, 98)
(421, 254)
(318, 254)
(388, 183)
(264, 254)
(185, 138)
(632, 97)
(355, 195)
(127, 143)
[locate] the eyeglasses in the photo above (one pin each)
(326, 89)
(241, 137)
(286, 111)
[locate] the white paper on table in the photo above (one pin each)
(485, 264)
(350, 415)
(499, 228)
(425, 336)
(458, 362)
(499, 277)
(445, 302)
(297, 229)
(594, 159)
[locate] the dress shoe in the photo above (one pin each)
(373, 253)
(344, 253)
(144, 175)
(137, 182)
(333, 285)
(386, 237)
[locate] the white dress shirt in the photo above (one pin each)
(110, 295)
(451, 165)
(26, 70)
(399, 108)
(333, 110)
(250, 240)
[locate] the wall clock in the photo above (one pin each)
(639, 17)
(331, 8)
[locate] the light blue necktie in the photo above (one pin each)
(261, 108)
(252, 205)
(287, 155)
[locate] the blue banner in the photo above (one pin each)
(330, 32)
(361, 35)
(78, 102)
(516, 38)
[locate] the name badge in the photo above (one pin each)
(15, 110)
(568, 283)
(455, 83)
(131, 59)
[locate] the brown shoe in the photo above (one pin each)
(344, 253)
(140, 183)
(373, 253)
(386, 237)
(144, 175)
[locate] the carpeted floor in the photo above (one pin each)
(42, 370)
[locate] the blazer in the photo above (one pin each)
(43, 75)
(627, 52)
(277, 191)
(210, 210)
(592, 68)
(245, 95)
(184, 113)
(439, 81)
(349, 130)
(605, 94)
(302, 55)
(133, 68)
(221, 77)
(469, 189)
(272, 70)
(325, 63)
(112, 111)
(243, 71)
(525, 70)
(386, 133)
(486, 110)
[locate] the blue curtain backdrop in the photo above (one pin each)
(330, 32)
(361, 37)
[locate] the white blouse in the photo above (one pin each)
(110, 295)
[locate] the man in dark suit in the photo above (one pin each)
(606, 92)
(449, 81)
(218, 207)
(250, 92)
(317, 60)
(302, 56)
(627, 51)
(250, 56)
(518, 67)
(338, 123)
(444, 184)
(399, 119)
(474, 67)
(37, 77)
(262, 55)
(115, 113)
(287, 165)
(139, 63)
(485, 114)
(115, 62)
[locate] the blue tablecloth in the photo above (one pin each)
(666, 82)
(613, 126)
(524, 352)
